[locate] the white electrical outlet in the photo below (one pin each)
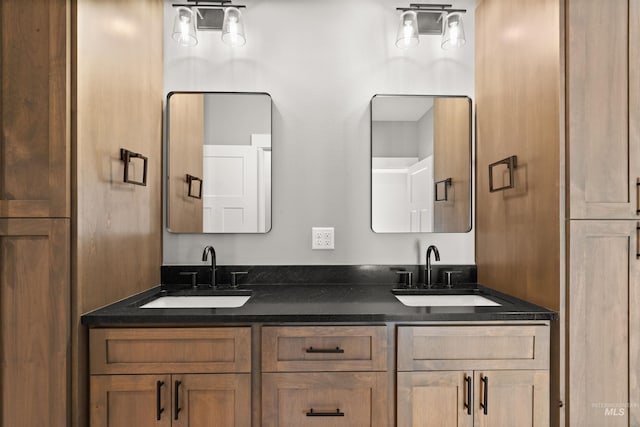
(322, 238)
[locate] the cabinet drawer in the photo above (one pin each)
(324, 348)
(170, 350)
(349, 399)
(422, 348)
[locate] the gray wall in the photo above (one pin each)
(321, 61)
(394, 139)
(230, 119)
(425, 134)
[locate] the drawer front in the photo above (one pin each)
(349, 399)
(424, 348)
(170, 350)
(324, 348)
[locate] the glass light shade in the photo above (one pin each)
(453, 31)
(233, 28)
(408, 30)
(184, 27)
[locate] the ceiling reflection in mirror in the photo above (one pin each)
(219, 162)
(420, 164)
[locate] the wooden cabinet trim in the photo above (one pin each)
(424, 348)
(284, 348)
(129, 351)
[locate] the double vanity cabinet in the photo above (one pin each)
(405, 366)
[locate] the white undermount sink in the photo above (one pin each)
(445, 300)
(208, 301)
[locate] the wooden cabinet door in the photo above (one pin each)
(452, 160)
(604, 323)
(213, 400)
(34, 109)
(603, 109)
(512, 398)
(341, 399)
(34, 322)
(130, 400)
(186, 142)
(438, 399)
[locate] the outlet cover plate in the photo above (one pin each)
(322, 238)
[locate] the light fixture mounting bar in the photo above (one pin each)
(416, 9)
(430, 6)
(211, 5)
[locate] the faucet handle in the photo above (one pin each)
(234, 277)
(406, 278)
(447, 275)
(194, 277)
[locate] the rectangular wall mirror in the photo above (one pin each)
(218, 162)
(420, 164)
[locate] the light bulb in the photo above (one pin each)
(408, 30)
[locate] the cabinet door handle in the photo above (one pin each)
(177, 400)
(446, 184)
(190, 193)
(637, 196)
(485, 394)
(325, 414)
(324, 350)
(126, 156)
(159, 408)
(638, 240)
(511, 163)
(467, 404)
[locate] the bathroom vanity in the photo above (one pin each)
(352, 354)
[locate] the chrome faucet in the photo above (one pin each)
(205, 254)
(427, 269)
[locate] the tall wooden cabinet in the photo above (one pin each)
(80, 80)
(558, 88)
(603, 143)
(34, 214)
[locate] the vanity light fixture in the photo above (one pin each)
(430, 19)
(195, 16)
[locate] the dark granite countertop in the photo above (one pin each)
(317, 303)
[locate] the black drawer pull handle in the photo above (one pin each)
(159, 409)
(467, 404)
(485, 395)
(324, 350)
(325, 414)
(447, 183)
(126, 156)
(177, 400)
(638, 240)
(511, 163)
(190, 179)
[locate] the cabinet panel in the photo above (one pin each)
(170, 350)
(512, 398)
(473, 347)
(603, 322)
(130, 400)
(34, 109)
(186, 136)
(452, 160)
(435, 399)
(34, 321)
(291, 399)
(518, 93)
(324, 348)
(604, 160)
(214, 400)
